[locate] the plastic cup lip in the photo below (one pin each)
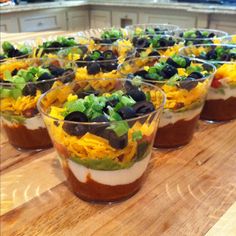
(181, 50)
(7, 84)
(223, 33)
(163, 36)
(91, 33)
(134, 26)
(101, 123)
(165, 57)
(132, 51)
(8, 59)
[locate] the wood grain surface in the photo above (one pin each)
(188, 191)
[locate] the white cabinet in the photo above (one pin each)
(100, 19)
(78, 20)
(42, 21)
(9, 23)
(223, 22)
(168, 18)
(123, 19)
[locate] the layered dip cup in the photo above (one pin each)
(151, 29)
(105, 35)
(200, 36)
(231, 39)
(52, 45)
(156, 45)
(103, 138)
(14, 51)
(22, 82)
(221, 99)
(185, 83)
(98, 62)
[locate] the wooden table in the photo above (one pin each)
(188, 191)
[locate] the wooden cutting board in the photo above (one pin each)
(188, 191)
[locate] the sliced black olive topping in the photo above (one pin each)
(141, 73)
(109, 55)
(143, 107)
(137, 95)
(114, 140)
(142, 43)
(101, 118)
(154, 53)
(188, 84)
(29, 89)
(75, 129)
(127, 113)
(93, 68)
(44, 76)
(168, 71)
(196, 75)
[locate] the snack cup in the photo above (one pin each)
(220, 104)
(19, 115)
(156, 45)
(151, 29)
(214, 36)
(100, 165)
(104, 35)
(105, 66)
(231, 39)
(183, 102)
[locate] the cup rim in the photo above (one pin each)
(165, 57)
(133, 50)
(133, 26)
(202, 29)
(4, 83)
(208, 45)
(163, 35)
(100, 123)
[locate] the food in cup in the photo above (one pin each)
(103, 137)
(105, 35)
(200, 36)
(10, 51)
(221, 99)
(185, 83)
(156, 45)
(22, 82)
(151, 29)
(100, 62)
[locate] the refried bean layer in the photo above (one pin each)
(177, 134)
(96, 192)
(219, 109)
(21, 137)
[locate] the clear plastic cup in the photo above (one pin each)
(151, 29)
(213, 36)
(221, 99)
(19, 115)
(100, 165)
(184, 101)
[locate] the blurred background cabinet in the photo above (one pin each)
(100, 19)
(77, 20)
(123, 19)
(9, 23)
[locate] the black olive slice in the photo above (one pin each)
(29, 89)
(143, 107)
(55, 44)
(137, 95)
(127, 113)
(211, 55)
(163, 42)
(211, 35)
(93, 68)
(153, 54)
(56, 71)
(110, 103)
(141, 73)
(196, 75)
(168, 71)
(44, 76)
(109, 55)
(188, 84)
(75, 129)
(101, 118)
(114, 140)
(171, 62)
(142, 43)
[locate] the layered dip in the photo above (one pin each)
(200, 36)
(156, 45)
(151, 29)
(185, 83)
(103, 137)
(221, 99)
(22, 82)
(10, 51)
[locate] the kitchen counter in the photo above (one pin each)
(188, 191)
(202, 8)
